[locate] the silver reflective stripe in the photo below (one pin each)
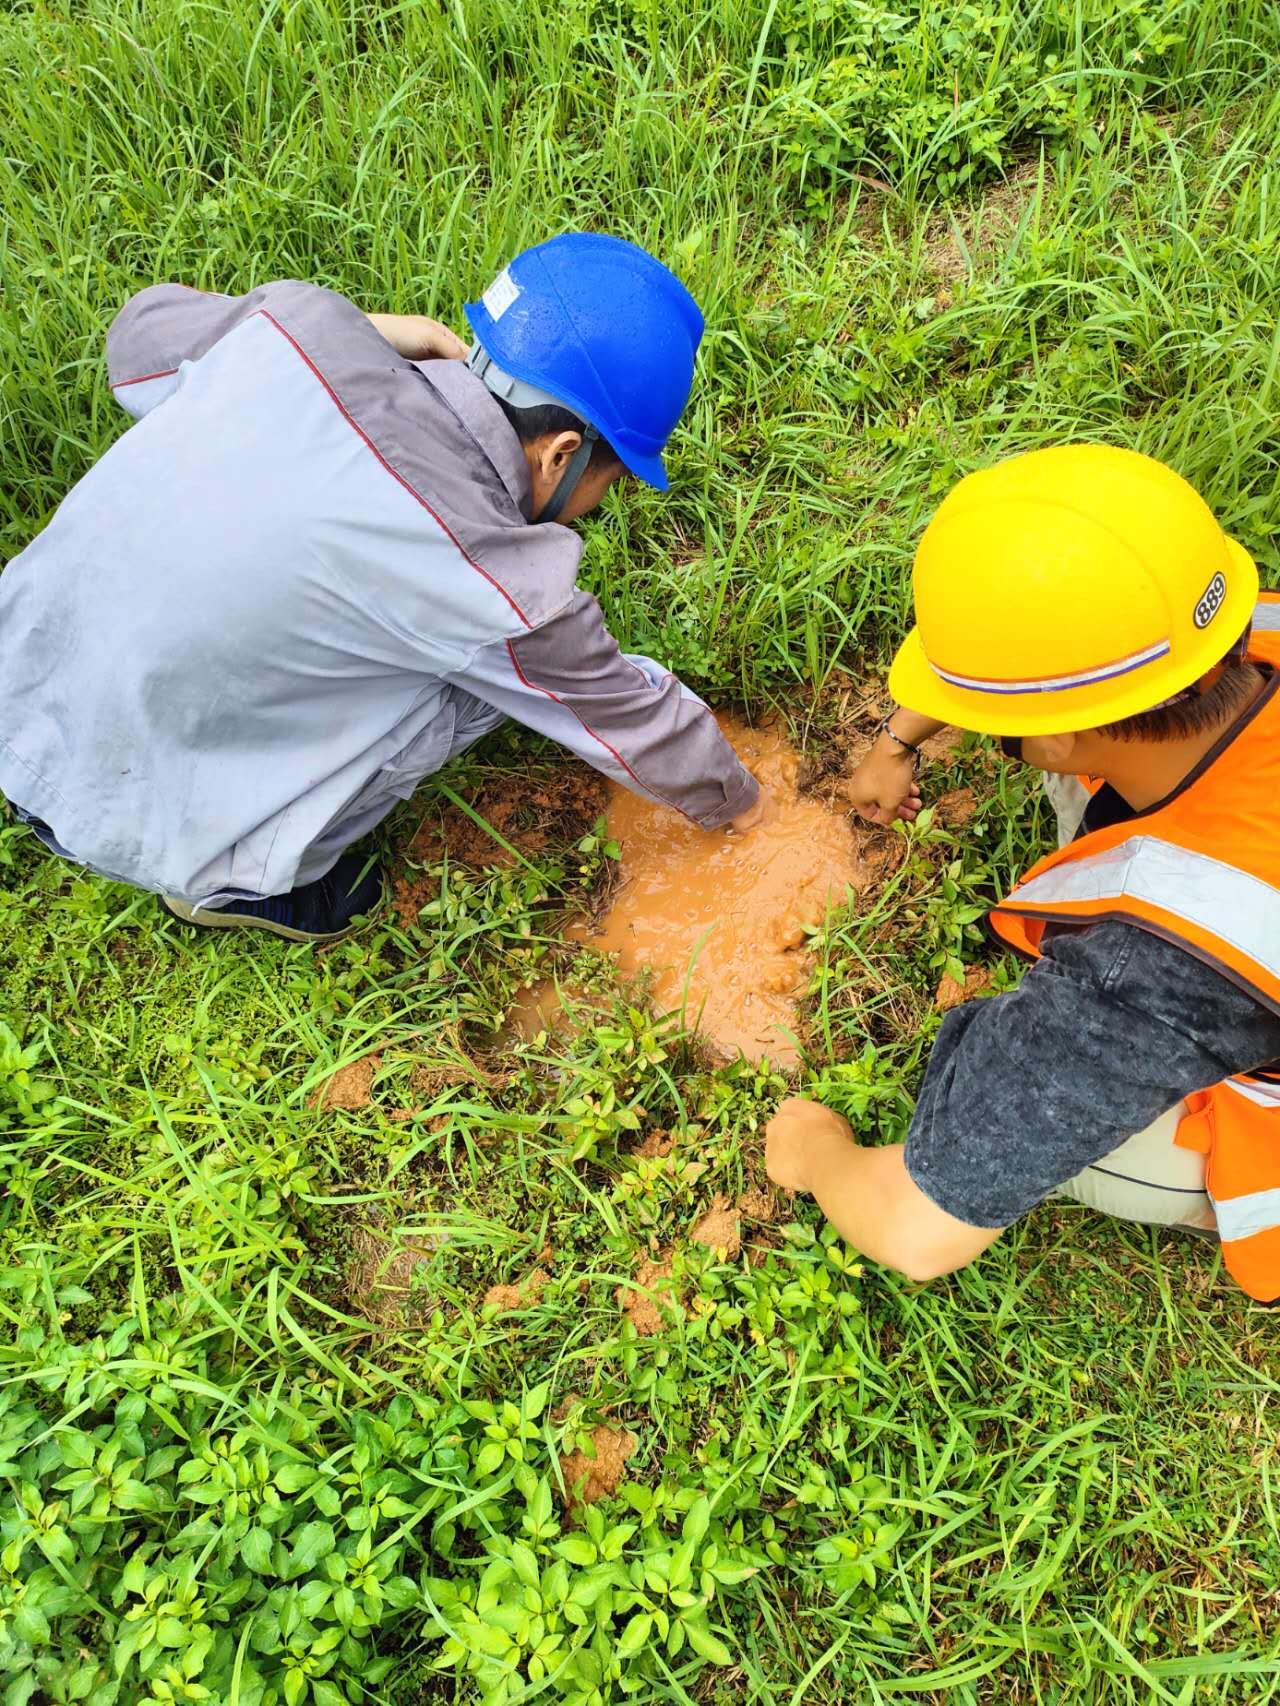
(1266, 617)
(1244, 1217)
(1241, 910)
(1263, 1095)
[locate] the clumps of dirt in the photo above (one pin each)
(951, 994)
(654, 1146)
(552, 807)
(410, 894)
(720, 1229)
(351, 1087)
(505, 1298)
(653, 1292)
(381, 1275)
(598, 1475)
(956, 807)
(556, 805)
(759, 1204)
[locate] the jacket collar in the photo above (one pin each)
(475, 407)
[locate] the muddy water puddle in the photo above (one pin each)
(720, 920)
(546, 1006)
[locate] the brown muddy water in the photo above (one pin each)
(720, 920)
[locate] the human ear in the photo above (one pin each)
(1059, 753)
(557, 452)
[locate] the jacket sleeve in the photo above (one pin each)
(624, 714)
(163, 326)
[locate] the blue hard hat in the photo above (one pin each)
(603, 328)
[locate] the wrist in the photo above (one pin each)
(823, 1143)
(893, 744)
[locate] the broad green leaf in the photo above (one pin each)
(635, 1635)
(255, 1550)
(327, 1499)
(535, 1400)
(293, 1477)
(313, 1596)
(525, 1564)
(490, 1457)
(697, 1521)
(134, 1495)
(21, 1689)
(30, 1624)
(313, 1541)
(706, 1644)
(76, 1449)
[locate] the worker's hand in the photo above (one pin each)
(419, 339)
(757, 813)
(884, 786)
(792, 1136)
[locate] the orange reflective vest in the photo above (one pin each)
(1202, 869)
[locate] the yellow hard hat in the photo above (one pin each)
(1068, 588)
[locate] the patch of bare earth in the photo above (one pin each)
(758, 1204)
(380, 1280)
(351, 1087)
(720, 1229)
(528, 814)
(655, 1145)
(950, 993)
(523, 1296)
(956, 806)
(962, 240)
(597, 1474)
(653, 1292)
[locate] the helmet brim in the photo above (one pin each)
(915, 685)
(651, 469)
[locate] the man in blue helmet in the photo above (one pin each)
(326, 559)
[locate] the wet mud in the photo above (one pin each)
(720, 920)
(545, 1007)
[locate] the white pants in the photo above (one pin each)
(1148, 1178)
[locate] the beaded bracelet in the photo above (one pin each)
(905, 744)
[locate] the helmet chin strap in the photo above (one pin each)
(568, 481)
(521, 396)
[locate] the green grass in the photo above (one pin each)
(923, 237)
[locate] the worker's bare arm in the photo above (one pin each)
(417, 338)
(867, 1194)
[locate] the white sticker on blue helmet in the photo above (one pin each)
(501, 294)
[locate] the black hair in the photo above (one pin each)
(544, 418)
(1208, 704)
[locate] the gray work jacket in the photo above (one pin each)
(257, 607)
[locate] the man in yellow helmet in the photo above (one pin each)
(1083, 605)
